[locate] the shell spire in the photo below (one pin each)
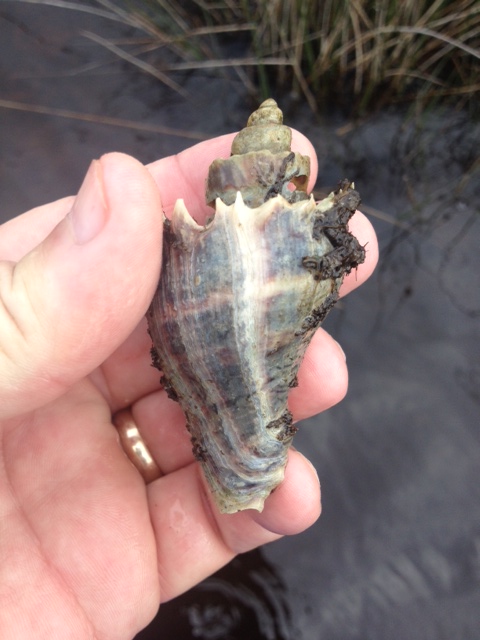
(239, 300)
(262, 164)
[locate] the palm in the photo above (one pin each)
(82, 549)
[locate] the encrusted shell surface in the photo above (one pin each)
(239, 300)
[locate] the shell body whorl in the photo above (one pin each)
(236, 306)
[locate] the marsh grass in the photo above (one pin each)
(359, 54)
(374, 53)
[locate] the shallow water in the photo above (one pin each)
(396, 553)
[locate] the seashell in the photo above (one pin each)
(239, 300)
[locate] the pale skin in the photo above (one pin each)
(87, 551)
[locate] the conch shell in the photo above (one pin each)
(239, 300)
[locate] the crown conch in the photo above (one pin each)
(239, 300)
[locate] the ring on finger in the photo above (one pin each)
(135, 447)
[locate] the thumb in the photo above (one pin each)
(75, 297)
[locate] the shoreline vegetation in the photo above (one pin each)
(350, 56)
(360, 55)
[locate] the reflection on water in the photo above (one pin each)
(396, 553)
(246, 599)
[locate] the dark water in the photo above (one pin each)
(396, 553)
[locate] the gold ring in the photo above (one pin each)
(134, 446)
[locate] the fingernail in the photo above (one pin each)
(89, 211)
(341, 351)
(310, 464)
(313, 468)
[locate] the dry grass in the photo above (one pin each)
(361, 54)
(372, 52)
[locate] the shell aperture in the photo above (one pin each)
(239, 300)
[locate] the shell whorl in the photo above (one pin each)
(239, 300)
(264, 130)
(262, 163)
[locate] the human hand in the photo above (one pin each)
(86, 549)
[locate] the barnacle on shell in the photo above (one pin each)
(239, 300)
